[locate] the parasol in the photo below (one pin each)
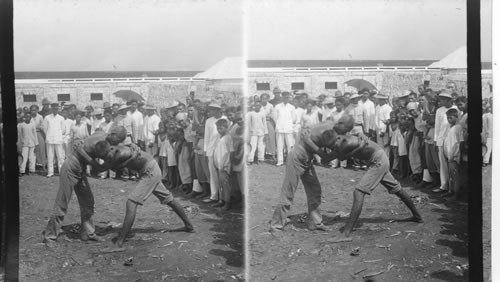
(128, 95)
(360, 84)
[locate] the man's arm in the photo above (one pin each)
(122, 156)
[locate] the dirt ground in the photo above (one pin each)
(213, 253)
(433, 251)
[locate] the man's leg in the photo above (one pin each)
(253, 148)
(22, 165)
(357, 206)
(130, 213)
(32, 159)
(279, 147)
(261, 148)
(70, 177)
(214, 180)
(50, 159)
(226, 189)
(489, 145)
(86, 202)
(443, 169)
(60, 156)
(287, 193)
(312, 188)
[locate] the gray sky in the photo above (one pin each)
(365, 29)
(87, 35)
(61, 35)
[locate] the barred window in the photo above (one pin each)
(297, 85)
(63, 97)
(96, 96)
(331, 85)
(263, 86)
(29, 98)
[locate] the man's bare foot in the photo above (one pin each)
(321, 227)
(188, 229)
(410, 219)
(225, 207)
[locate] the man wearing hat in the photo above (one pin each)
(151, 127)
(368, 114)
(440, 125)
(277, 96)
(285, 116)
(97, 120)
(382, 116)
(329, 107)
(270, 137)
(54, 130)
(210, 141)
(137, 123)
(45, 107)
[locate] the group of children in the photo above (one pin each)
(198, 146)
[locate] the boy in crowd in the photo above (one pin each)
(451, 147)
(28, 140)
(257, 126)
(222, 162)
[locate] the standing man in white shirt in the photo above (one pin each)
(284, 115)
(137, 123)
(151, 127)
(68, 123)
(441, 124)
(97, 120)
(210, 140)
(257, 128)
(54, 128)
(382, 116)
(368, 114)
(270, 136)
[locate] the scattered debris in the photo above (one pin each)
(146, 271)
(180, 245)
(395, 234)
(66, 264)
(166, 245)
(375, 260)
(359, 271)
(339, 240)
(355, 251)
(129, 261)
(388, 247)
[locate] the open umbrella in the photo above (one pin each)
(360, 84)
(128, 95)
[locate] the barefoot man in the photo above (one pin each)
(299, 165)
(360, 147)
(73, 177)
(117, 157)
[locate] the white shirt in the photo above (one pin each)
(95, 125)
(222, 151)
(382, 114)
(441, 124)
(451, 144)
(151, 124)
(369, 114)
(298, 117)
(54, 129)
(311, 119)
(335, 116)
(268, 110)
(256, 122)
(285, 118)
(68, 123)
(327, 112)
(79, 131)
(105, 126)
(211, 135)
(137, 125)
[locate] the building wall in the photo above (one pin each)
(392, 83)
(155, 93)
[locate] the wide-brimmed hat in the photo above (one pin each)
(97, 112)
(106, 105)
(276, 90)
(286, 94)
(329, 100)
(381, 96)
(412, 106)
(149, 107)
(354, 96)
(123, 107)
(172, 104)
(446, 94)
(214, 105)
(45, 101)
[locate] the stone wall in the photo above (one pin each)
(392, 83)
(155, 93)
